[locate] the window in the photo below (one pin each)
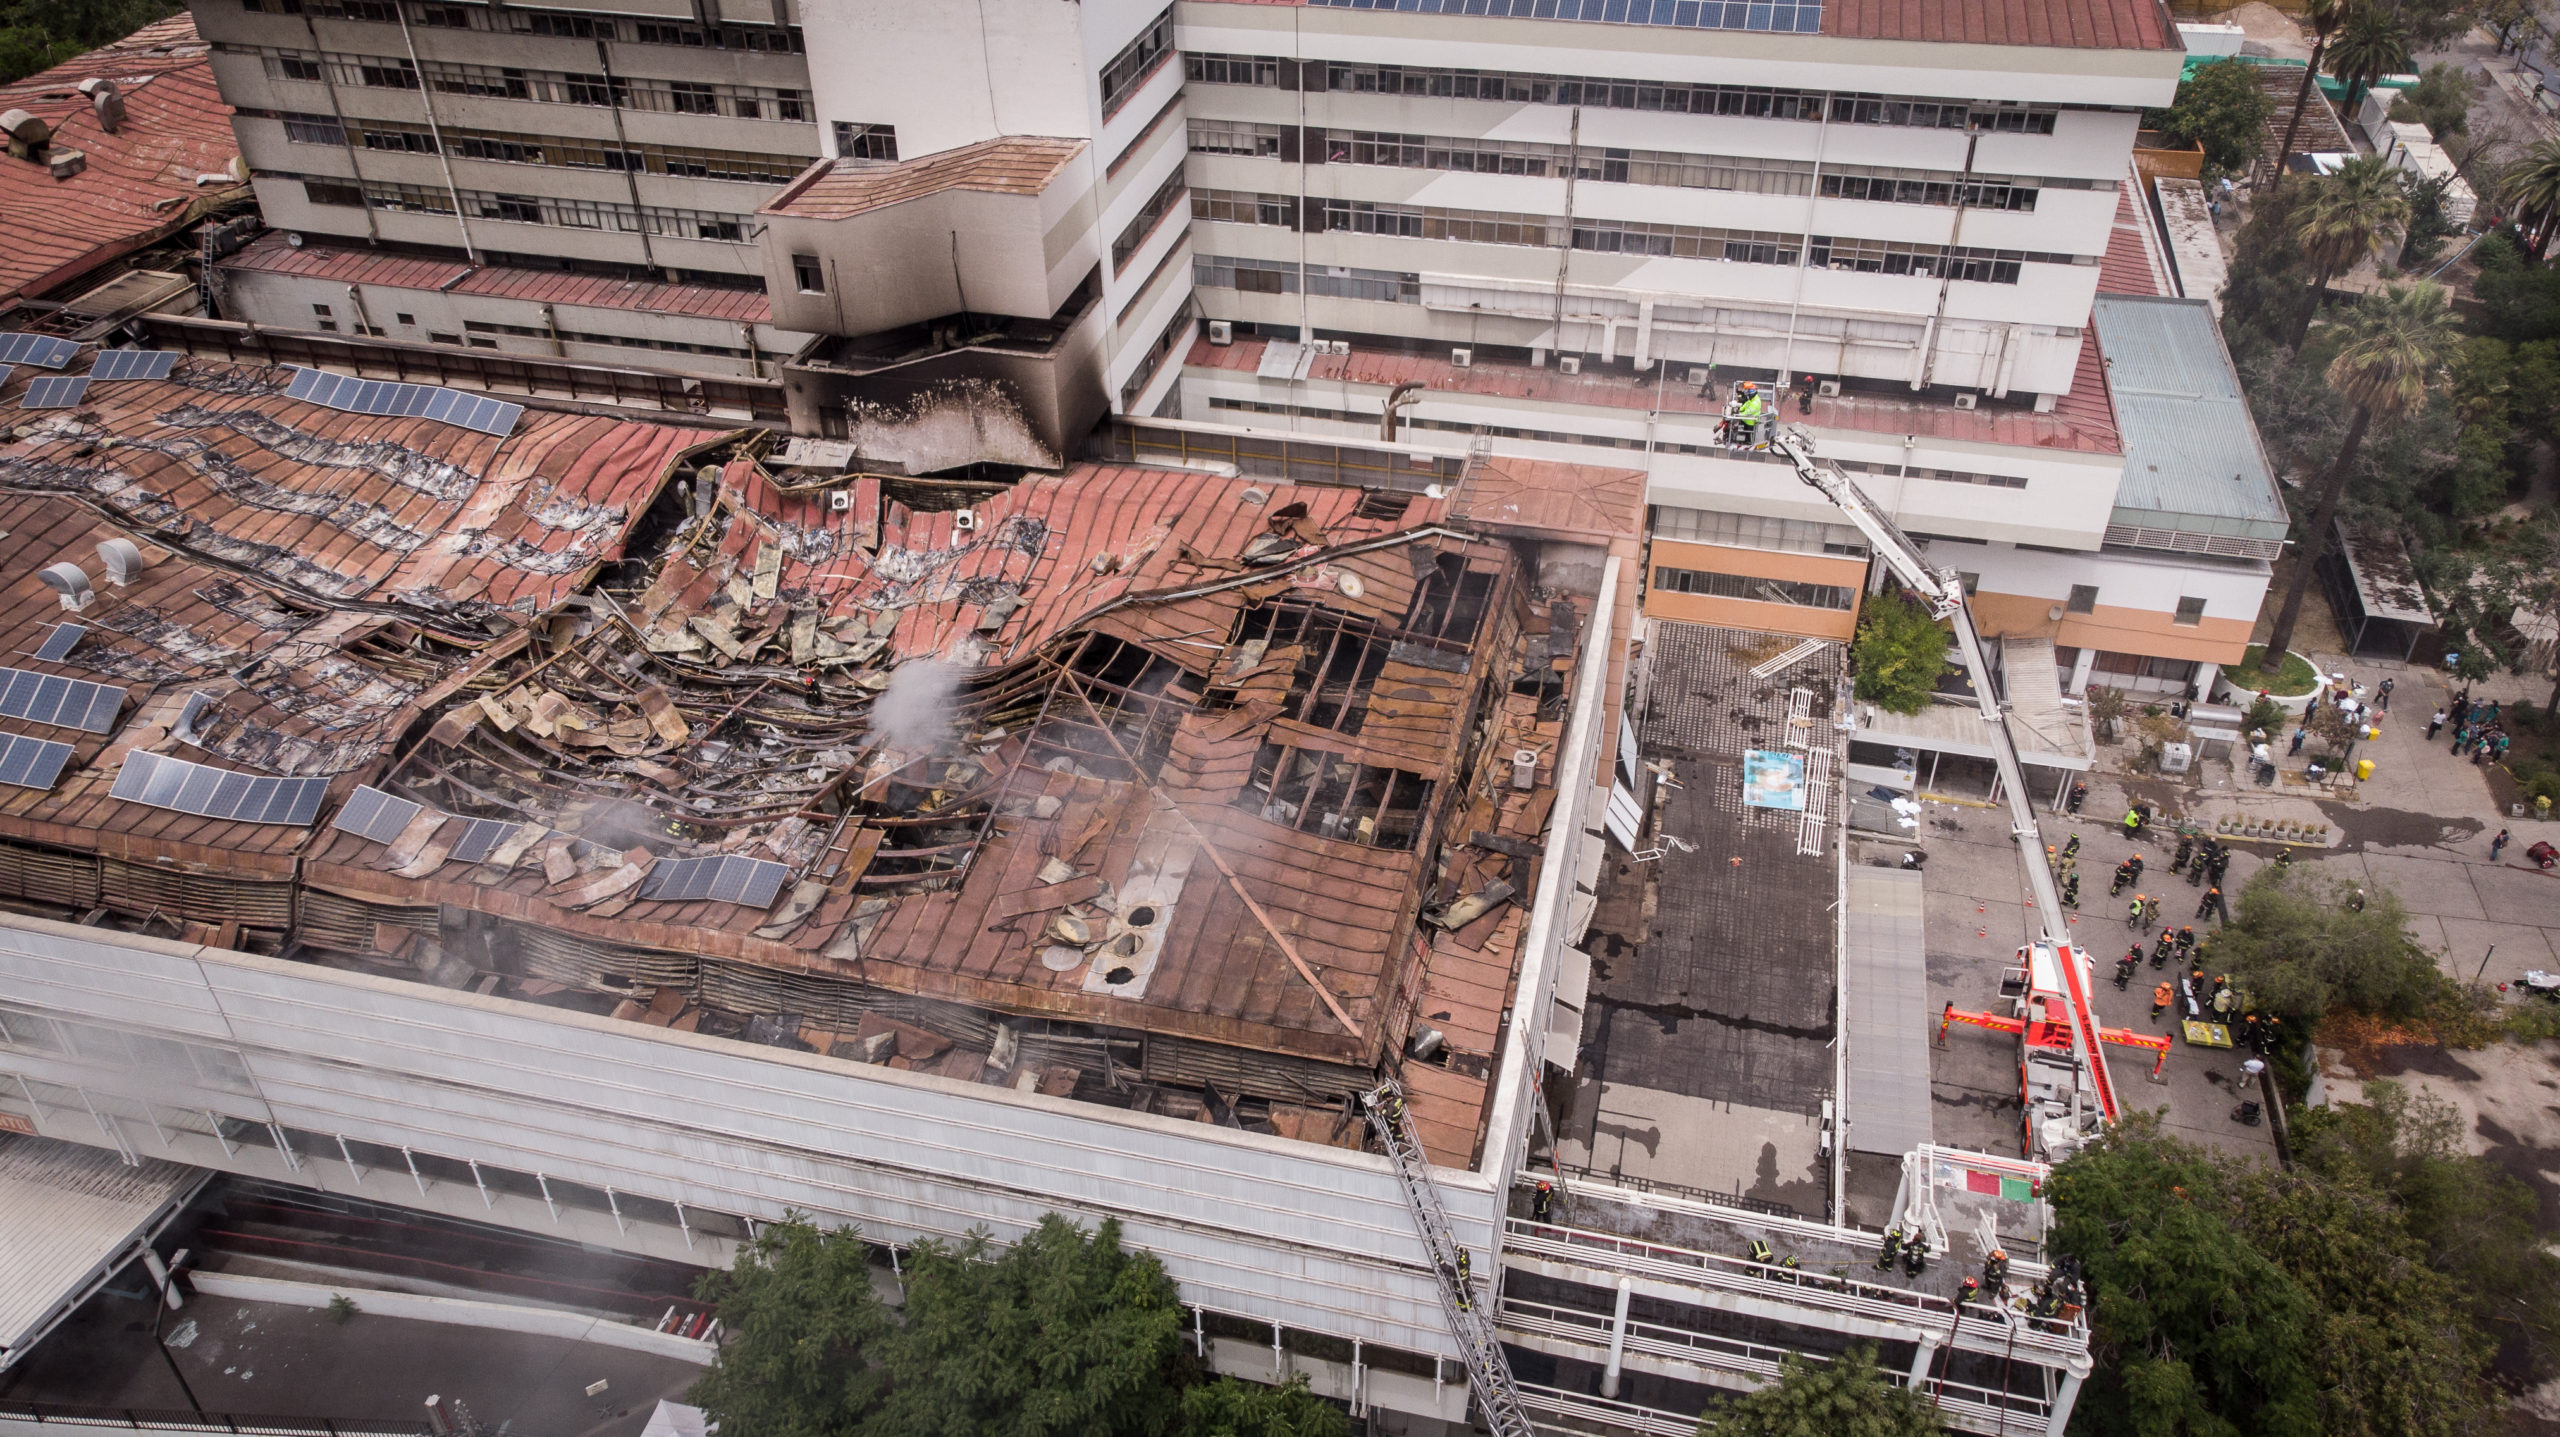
(1750, 531)
(2084, 599)
(808, 274)
(324, 192)
(2190, 611)
(1234, 137)
(409, 319)
(1230, 207)
(693, 99)
(322, 310)
(866, 142)
(1742, 586)
(1972, 583)
(290, 66)
(1136, 60)
(1147, 218)
(438, 336)
(1253, 276)
(1232, 69)
(313, 129)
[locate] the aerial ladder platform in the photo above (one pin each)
(1489, 1380)
(2063, 1080)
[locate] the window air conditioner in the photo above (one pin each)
(1828, 389)
(1462, 358)
(1222, 332)
(1967, 401)
(964, 520)
(840, 501)
(1569, 364)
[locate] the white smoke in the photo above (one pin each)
(916, 713)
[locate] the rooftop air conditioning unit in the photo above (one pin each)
(1828, 389)
(1967, 401)
(1336, 346)
(71, 582)
(840, 501)
(1702, 377)
(1222, 332)
(122, 560)
(1569, 364)
(964, 520)
(1462, 358)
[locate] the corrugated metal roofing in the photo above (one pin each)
(271, 255)
(139, 182)
(64, 1210)
(1886, 949)
(1008, 165)
(2190, 445)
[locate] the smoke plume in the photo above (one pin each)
(916, 711)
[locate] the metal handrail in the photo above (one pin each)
(179, 1419)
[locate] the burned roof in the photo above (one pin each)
(1006, 165)
(1115, 778)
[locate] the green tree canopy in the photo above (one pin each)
(1064, 1334)
(1848, 1396)
(2373, 43)
(2194, 1330)
(2298, 950)
(1228, 1408)
(2220, 107)
(39, 34)
(2441, 100)
(1900, 652)
(802, 1318)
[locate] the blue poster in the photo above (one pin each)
(1772, 780)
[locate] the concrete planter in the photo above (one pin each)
(2240, 695)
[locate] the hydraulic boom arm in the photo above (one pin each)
(1945, 593)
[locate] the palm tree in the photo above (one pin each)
(2397, 343)
(2325, 17)
(2346, 218)
(2532, 186)
(2371, 44)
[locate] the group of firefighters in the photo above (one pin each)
(2202, 861)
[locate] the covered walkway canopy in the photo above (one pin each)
(71, 1217)
(2051, 731)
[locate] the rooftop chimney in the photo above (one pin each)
(28, 135)
(107, 101)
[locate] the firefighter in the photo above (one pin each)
(1892, 1249)
(2186, 850)
(2133, 911)
(1544, 1202)
(2160, 999)
(2072, 848)
(1915, 1255)
(2079, 795)
(2212, 897)
(2135, 864)
(2127, 965)
(1970, 1291)
(2186, 940)
(2160, 949)
(2150, 911)
(2124, 878)
(1760, 1252)
(2071, 889)
(2133, 823)
(1995, 1270)
(1787, 1265)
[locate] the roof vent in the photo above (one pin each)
(110, 107)
(122, 559)
(27, 134)
(66, 163)
(71, 582)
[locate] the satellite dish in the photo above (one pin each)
(122, 560)
(71, 582)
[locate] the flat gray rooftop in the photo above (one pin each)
(2192, 460)
(1886, 958)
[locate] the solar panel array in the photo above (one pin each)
(480, 838)
(54, 391)
(5, 371)
(18, 347)
(31, 762)
(133, 364)
(64, 703)
(753, 882)
(175, 784)
(371, 813)
(413, 401)
(58, 644)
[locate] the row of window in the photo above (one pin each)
(1742, 174)
(559, 24)
(1636, 237)
(1158, 205)
(1745, 586)
(1265, 276)
(658, 220)
(1138, 59)
(571, 336)
(494, 82)
(683, 161)
(1751, 531)
(1522, 89)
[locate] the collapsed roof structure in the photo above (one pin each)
(1190, 791)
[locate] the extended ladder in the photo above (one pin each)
(1488, 1371)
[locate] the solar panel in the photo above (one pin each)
(174, 783)
(480, 838)
(31, 762)
(54, 391)
(5, 371)
(42, 350)
(64, 703)
(58, 643)
(750, 882)
(371, 813)
(133, 364)
(415, 401)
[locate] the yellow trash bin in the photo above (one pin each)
(2364, 769)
